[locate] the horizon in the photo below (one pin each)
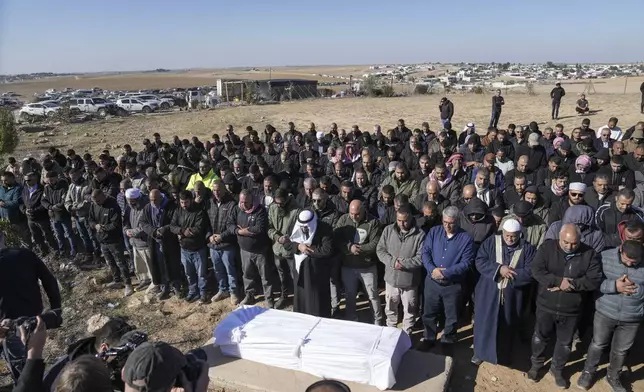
(85, 37)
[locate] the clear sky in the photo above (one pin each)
(122, 35)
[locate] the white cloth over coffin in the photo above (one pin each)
(326, 348)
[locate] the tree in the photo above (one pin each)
(550, 64)
(369, 85)
(8, 133)
(505, 66)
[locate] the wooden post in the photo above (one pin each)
(625, 84)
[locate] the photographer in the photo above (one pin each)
(160, 367)
(110, 335)
(31, 377)
(21, 271)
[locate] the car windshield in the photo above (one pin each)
(99, 100)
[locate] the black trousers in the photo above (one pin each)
(548, 324)
(446, 298)
(494, 121)
(286, 272)
(555, 108)
(42, 235)
(115, 259)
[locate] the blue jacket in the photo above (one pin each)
(12, 197)
(620, 307)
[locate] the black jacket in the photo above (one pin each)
(53, 199)
(165, 265)
(497, 103)
(20, 273)
(551, 264)
(194, 219)
(592, 198)
(481, 229)
(110, 184)
(330, 214)
(146, 158)
(557, 93)
(257, 223)
(220, 216)
(34, 203)
(608, 217)
(369, 196)
(31, 377)
(624, 177)
(447, 110)
(108, 216)
(537, 157)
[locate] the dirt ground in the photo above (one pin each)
(189, 325)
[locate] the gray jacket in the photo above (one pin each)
(139, 239)
(620, 307)
(407, 248)
(77, 199)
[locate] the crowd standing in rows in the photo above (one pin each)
(505, 224)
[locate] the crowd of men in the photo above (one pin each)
(505, 224)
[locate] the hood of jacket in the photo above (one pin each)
(579, 215)
(475, 206)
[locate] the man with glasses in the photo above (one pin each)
(576, 192)
(37, 215)
(447, 254)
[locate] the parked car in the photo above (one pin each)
(164, 103)
(39, 109)
(10, 103)
(136, 105)
(92, 105)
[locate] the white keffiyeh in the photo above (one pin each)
(308, 219)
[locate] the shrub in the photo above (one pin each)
(388, 90)
(8, 133)
(478, 90)
(370, 85)
(421, 89)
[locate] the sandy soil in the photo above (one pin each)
(190, 325)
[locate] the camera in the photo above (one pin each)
(192, 370)
(52, 319)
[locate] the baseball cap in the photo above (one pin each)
(153, 367)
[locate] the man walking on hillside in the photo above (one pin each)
(556, 94)
(497, 104)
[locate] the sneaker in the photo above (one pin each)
(249, 299)
(476, 361)
(560, 381)
(144, 284)
(204, 299)
(191, 297)
(280, 303)
(268, 302)
(585, 380)
(221, 295)
(615, 383)
(425, 345)
(128, 290)
(234, 299)
(533, 373)
(153, 289)
(163, 294)
(114, 285)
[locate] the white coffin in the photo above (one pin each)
(326, 348)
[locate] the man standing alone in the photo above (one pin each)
(556, 94)
(446, 108)
(642, 91)
(497, 104)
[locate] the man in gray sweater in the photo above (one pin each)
(399, 249)
(138, 239)
(619, 312)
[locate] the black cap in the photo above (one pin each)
(533, 126)
(153, 367)
(229, 179)
(603, 154)
(522, 208)
(498, 211)
(532, 189)
(565, 145)
(585, 121)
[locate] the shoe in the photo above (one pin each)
(249, 299)
(268, 302)
(280, 303)
(615, 383)
(191, 297)
(585, 380)
(163, 294)
(221, 295)
(425, 345)
(533, 373)
(178, 292)
(476, 361)
(204, 299)
(144, 284)
(114, 285)
(153, 289)
(234, 299)
(560, 381)
(128, 290)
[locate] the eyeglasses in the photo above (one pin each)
(576, 194)
(316, 201)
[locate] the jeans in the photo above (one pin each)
(13, 352)
(87, 236)
(253, 263)
(555, 108)
(196, 269)
(115, 259)
(494, 121)
(223, 261)
(441, 297)
(409, 298)
(369, 277)
(619, 335)
(42, 235)
(286, 274)
(63, 229)
(546, 324)
(445, 121)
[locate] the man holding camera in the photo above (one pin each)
(21, 273)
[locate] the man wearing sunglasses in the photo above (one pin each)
(576, 192)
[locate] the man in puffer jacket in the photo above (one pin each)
(582, 217)
(399, 249)
(53, 200)
(619, 312)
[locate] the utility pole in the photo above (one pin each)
(270, 73)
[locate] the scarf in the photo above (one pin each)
(256, 203)
(557, 190)
(448, 179)
(483, 194)
(306, 219)
(585, 162)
